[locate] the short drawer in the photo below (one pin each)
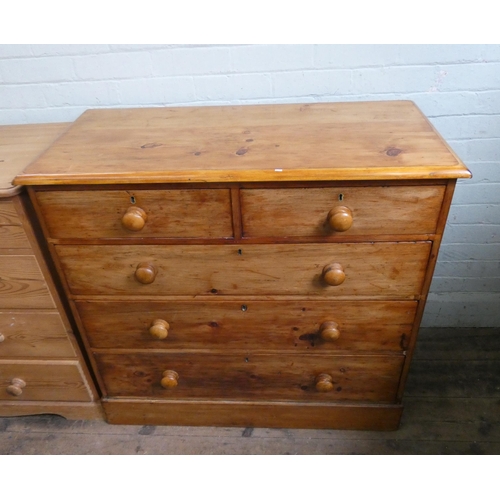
(248, 376)
(42, 381)
(352, 211)
(168, 213)
(8, 214)
(33, 334)
(304, 326)
(22, 285)
(367, 269)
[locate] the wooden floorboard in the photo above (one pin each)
(452, 406)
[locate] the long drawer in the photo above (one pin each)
(377, 270)
(254, 324)
(367, 210)
(249, 376)
(169, 213)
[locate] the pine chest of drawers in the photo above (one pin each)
(249, 265)
(42, 369)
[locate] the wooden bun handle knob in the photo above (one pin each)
(145, 273)
(329, 331)
(333, 274)
(324, 382)
(16, 387)
(159, 329)
(134, 219)
(340, 218)
(169, 379)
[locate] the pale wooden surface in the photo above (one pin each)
(306, 142)
(34, 334)
(23, 284)
(46, 381)
(8, 214)
(456, 414)
(41, 368)
(19, 146)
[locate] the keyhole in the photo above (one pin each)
(132, 200)
(341, 197)
(244, 308)
(240, 251)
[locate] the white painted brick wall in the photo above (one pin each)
(456, 86)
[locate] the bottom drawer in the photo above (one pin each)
(42, 381)
(258, 377)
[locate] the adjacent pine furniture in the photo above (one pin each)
(248, 265)
(41, 366)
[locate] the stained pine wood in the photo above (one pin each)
(375, 210)
(34, 334)
(280, 252)
(285, 326)
(22, 284)
(45, 381)
(249, 415)
(19, 146)
(380, 269)
(320, 141)
(243, 376)
(174, 213)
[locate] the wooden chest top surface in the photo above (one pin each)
(19, 146)
(288, 142)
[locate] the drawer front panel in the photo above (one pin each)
(252, 376)
(374, 210)
(380, 269)
(183, 213)
(22, 285)
(279, 325)
(13, 237)
(43, 381)
(8, 214)
(33, 334)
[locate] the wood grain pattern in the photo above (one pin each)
(286, 326)
(247, 376)
(22, 284)
(379, 269)
(375, 210)
(171, 213)
(19, 146)
(13, 237)
(8, 214)
(256, 414)
(30, 334)
(320, 141)
(45, 381)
